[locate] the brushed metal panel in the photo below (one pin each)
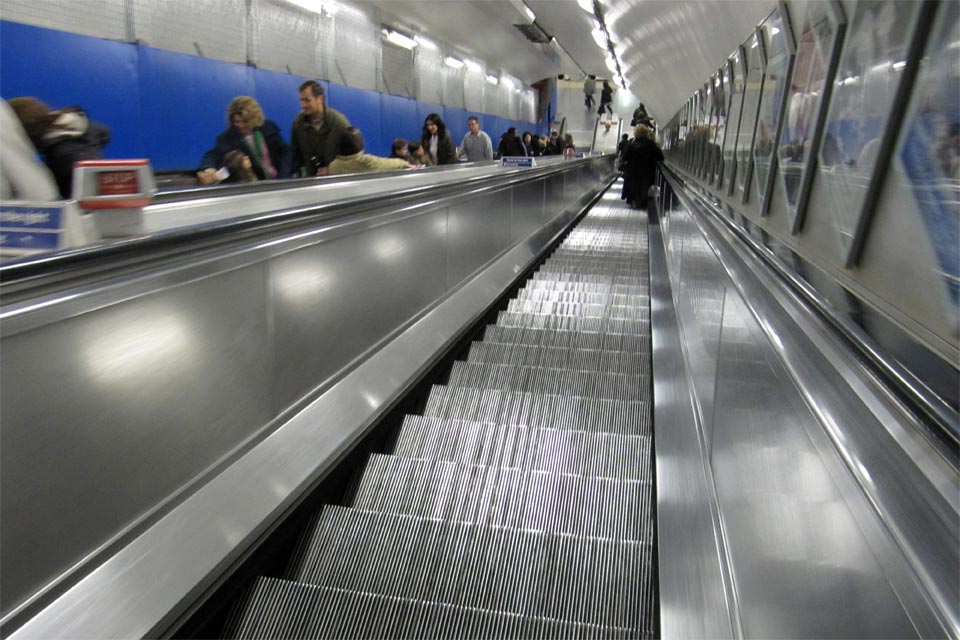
(477, 230)
(335, 299)
(693, 589)
(145, 586)
(528, 206)
(108, 413)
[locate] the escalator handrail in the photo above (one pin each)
(917, 395)
(49, 269)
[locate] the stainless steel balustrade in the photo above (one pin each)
(136, 390)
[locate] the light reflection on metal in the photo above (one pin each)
(160, 342)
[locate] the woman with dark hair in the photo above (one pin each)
(253, 135)
(437, 142)
(530, 144)
(62, 137)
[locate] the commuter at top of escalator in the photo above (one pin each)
(640, 116)
(641, 157)
(531, 144)
(606, 99)
(476, 144)
(437, 142)
(399, 149)
(316, 131)
(568, 148)
(63, 137)
(418, 154)
(352, 159)
(250, 133)
(510, 144)
(554, 145)
(589, 88)
(22, 177)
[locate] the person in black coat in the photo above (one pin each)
(640, 158)
(63, 137)
(510, 145)
(437, 142)
(253, 135)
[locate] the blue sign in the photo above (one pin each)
(516, 161)
(29, 239)
(20, 217)
(26, 227)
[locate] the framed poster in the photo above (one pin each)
(753, 94)
(817, 54)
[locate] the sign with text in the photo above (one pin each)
(26, 227)
(517, 161)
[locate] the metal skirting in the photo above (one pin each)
(521, 503)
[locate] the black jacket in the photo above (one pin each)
(233, 140)
(61, 151)
(510, 146)
(314, 149)
(446, 151)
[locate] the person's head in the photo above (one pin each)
(351, 142)
(593, 76)
(311, 98)
(415, 149)
(240, 167)
(35, 116)
(553, 136)
(625, 138)
(642, 108)
(568, 138)
(640, 131)
(473, 124)
(399, 148)
(244, 114)
(606, 85)
(527, 137)
(433, 125)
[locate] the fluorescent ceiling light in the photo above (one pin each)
(493, 80)
(611, 64)
(453, 62)
(426, 43)
(599, 37)
(586, 5)
(474, 66)
(399, 39)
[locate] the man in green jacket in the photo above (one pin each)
(316, 132)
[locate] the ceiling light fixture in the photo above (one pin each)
(426, 43)
(397, 38)
(453, 62)
(493, 80)
(586, 5)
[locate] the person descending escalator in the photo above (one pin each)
(640, 168)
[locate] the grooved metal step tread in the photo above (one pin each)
(505, 497)
(586, 287)
(618, 312)
(279, 609)
(572, 323)
(588, 384)
(602, 455)
(539, 410)
(568, 339)
(584, 580)
(580, 297)
(632, 364)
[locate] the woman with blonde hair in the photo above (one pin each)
(250, 133)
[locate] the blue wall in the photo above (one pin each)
(169, 106)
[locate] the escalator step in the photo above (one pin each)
(507, 497)
(567, 339)
(602, 455)
(584, 359)
(578, 297)
(539, 410)
(571, 323)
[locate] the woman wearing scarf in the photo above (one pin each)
(250, 133)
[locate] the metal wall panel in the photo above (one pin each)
(429, 70)
(287, 39)
(356, 51)
(108, 21)
(398, 70)
(215, 30)
(477, 230)
(334, 299)
(528, 210)
(107, 413)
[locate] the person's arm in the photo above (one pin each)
(487, 147)
(279, 149)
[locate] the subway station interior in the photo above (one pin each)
(493, 398)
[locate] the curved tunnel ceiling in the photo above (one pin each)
(667, 48)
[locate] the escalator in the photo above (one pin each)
(519, 501)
